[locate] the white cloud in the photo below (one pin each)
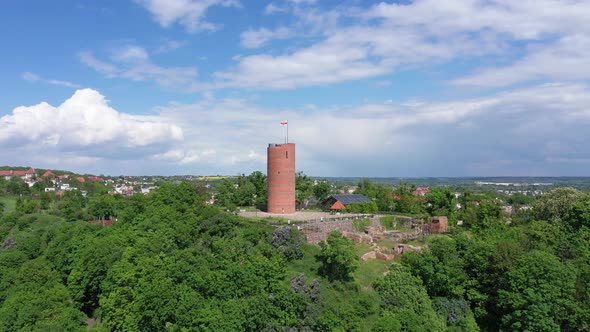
(362, 43)
(273, 8)
(329, 62)
(256, 38)
(84, 125)
(130, 53)
(527, 128)
(169, 46)
(189, 13)
(562, 60)
(28, 76)
(31, 77)
(533, 131)
(522, 20)
(133, 62)
(90, 60)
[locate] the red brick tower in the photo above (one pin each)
(281, 178)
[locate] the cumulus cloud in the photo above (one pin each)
(85, 126)
(169, 46)
(539, 130)
(256, 38)
(273, 8)
(188, 13)
(133, 62)
(362, 43)
(533, 131)
(562, 60)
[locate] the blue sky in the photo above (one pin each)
(401, 89)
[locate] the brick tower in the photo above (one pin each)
(281, 178)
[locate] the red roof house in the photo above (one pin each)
(48, 173)
(421, 191)
(28, 174)
(81, 179)
(340, 201)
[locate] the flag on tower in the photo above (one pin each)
(284, 123)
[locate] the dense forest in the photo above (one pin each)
(171, 262)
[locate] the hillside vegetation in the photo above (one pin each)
(172, 263)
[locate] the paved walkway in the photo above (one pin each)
(299, 215)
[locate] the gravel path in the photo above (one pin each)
(299, 215)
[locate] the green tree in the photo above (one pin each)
(102, 207)
(557, 205)
(16, 186)
(407, 202)
(404, 303)
(322, 189)
(441, 202)
(539, 296)
(71, 205)
(289, 242)
(365, 207)
(259, 180)
(379, 193)
(338, 258)
(303, 187)
(440, 268)
(227, 195)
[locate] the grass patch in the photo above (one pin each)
(426, 239)
(369, 271)
(362, 248)
(308, 264)
(388, 221)
(391, 223)
(387, 243)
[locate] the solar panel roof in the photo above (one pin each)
(347, 199)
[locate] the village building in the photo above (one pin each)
(340, 201)
(421, 191)
(25, 175)
(49, 174)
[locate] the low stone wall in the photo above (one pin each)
(358, 237)
(377, 255)
(396, 235)
(318, 231)
(400, 248)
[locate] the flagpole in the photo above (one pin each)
(286, 123)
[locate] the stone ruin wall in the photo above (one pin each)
(318, 231)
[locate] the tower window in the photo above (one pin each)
(287, 154)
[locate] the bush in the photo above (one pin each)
(368, 207)
(361, 224)
(389, 222)
(289, 242)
